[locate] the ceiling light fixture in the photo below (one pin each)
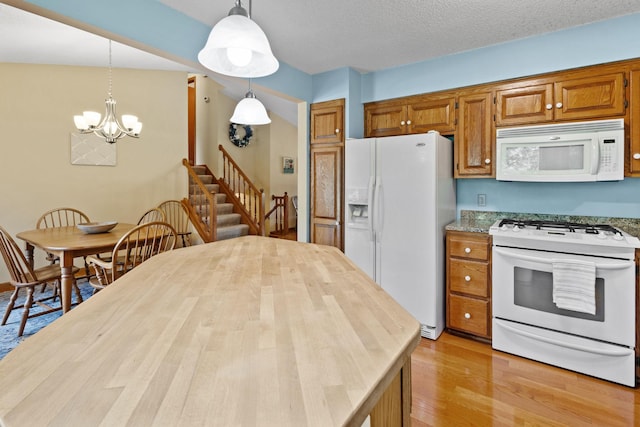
(238, 47)
(250, 111)
(109, 128)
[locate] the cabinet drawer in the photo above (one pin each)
(469, 315)
(469, 248)
(469, 277)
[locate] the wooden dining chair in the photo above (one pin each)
(136, 246)
(62, 217)
(152, 215)
(23, 276)
(176, 215)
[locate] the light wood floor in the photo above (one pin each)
(461, 382)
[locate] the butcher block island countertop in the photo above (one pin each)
(242, 332)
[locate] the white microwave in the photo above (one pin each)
(580, 151)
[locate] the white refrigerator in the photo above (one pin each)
(399, 195)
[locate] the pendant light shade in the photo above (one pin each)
(250, 111)
(238, 47)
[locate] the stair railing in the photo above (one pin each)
(244, 193)
(281, 210)
(201, 206)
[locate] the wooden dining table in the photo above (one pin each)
(68, 243)
(252, 331)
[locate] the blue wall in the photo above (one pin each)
(607, 41)
(609, 199)
(151, 23)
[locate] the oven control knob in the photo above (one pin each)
(618, 237)
(467, 316)
(601, 236)
(467, 278)
(467, 250)
(516, 228)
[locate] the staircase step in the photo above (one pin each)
(233, 231)
(206, 179)
(200, 170)
(224, 208)
(221, 198)
(213, 188)
(228, 219)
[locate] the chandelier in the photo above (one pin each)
(109, 128)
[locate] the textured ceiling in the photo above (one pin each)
(368, 35)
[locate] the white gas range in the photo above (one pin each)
(565, 294)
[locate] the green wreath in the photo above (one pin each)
(235, 139)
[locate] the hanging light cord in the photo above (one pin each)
(110, 72)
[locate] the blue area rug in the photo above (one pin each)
(9, 333)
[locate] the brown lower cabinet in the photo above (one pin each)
(468, 269)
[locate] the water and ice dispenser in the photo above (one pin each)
(357, 207)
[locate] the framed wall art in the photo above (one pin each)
(287, 165)
(89, 149)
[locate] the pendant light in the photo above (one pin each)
(109, 128)
(238, 47)
(250, 111)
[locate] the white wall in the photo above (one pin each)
(36, 119)
(283, 144)
(261, 160)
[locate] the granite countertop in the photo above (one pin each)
(480, 221)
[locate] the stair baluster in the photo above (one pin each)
(246, 195)
(201, 206)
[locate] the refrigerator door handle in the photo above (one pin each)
(378, 203)
(371, 202)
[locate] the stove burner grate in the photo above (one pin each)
(561, 225)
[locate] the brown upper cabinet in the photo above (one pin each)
(475, 138)
(577, 95)
(413, 115)
(327, 122)
(471, 114)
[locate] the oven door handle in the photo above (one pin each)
(615, 353)
(611, 266)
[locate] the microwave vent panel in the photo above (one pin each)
(564, 128)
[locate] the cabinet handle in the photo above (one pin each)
(337, 130)
(408, 122)
(467, 278)
(402, 123)
(467, 316)
(559, 105)
(636, 156)
(467, 250)
(487, 161)
(549, 106)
